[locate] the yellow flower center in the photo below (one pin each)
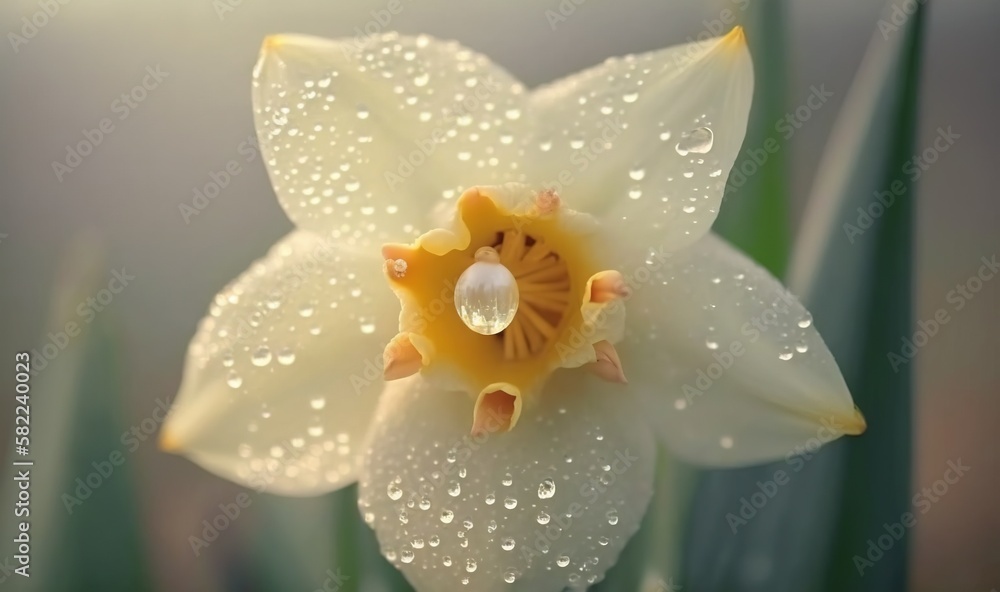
(559, 290)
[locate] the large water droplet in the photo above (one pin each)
(286, 356)
(470, 565)
(543, 518)
(486, 297)
(447, 516)
(562, 561)
(698, 141)
(406, 556)
(507, 544)
(394, 491)
(454, 489)
(510, 503)
(546, 489)
(261, 356)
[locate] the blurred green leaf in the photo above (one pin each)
(858, 279)
(858, 288)
(85, 522)
(754, 213)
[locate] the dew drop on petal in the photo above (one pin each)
(261, 356)
(697, 141)
(394, 491)
(486, 297)
(286, 356)
(546, 489)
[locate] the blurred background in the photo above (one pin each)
(118, 210)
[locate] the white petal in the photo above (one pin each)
(612, 137)
(729, 363)
(364, 141)
(283, 375)
(446, 506)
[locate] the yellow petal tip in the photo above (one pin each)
(734, 39)
(272, 42)
(857, 425)
(168, 441)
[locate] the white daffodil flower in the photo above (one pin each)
(443, 364)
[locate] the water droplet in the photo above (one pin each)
(562, 561)
(417, 543)
(635, 192)
(785, 356)
(234, 380)
(543, 518)
(546, 489)
(318, 403)
(698, 141)
(711, 344)
(454, 489)
(306, 311)
(486, 297)
(612, 517)
(261, 356)
(804, 323)
(467, 524)
(425, 504)
(470, 565)
(637, 173)
(513, 114)
(394, 491)
(802, 348)
(507, 544)
(689, 209)
(665, 136)
(507, 480)
(422, 80)
(362, 112)
(227, 360)
(286, 356)
(510, 577)
(490, 499)
(630, 97)
(447, 516)
(367, 328)
(406, 556)
(434, 541)
(510, 503)
(603, 541)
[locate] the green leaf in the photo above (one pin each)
(858, 282)
(85, 524)
(754, 212)
(805, 536)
